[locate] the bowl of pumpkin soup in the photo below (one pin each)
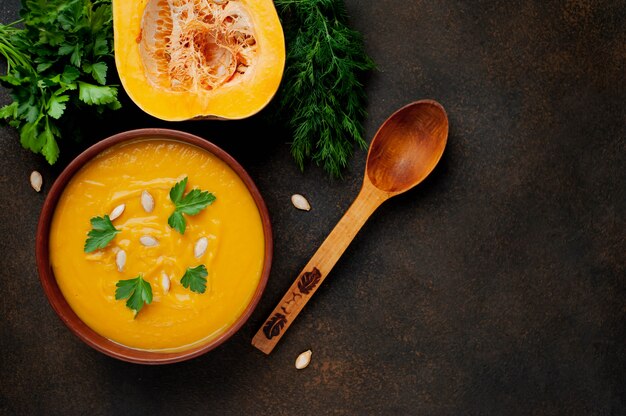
(154, 246)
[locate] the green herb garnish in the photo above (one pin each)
(58, 61)
(322, 97)
(195, 279)
(101, 234)
(137, 291)
(190, 204)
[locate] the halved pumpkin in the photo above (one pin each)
(184, 59)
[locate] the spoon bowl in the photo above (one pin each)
(403, 152)
(407, 146)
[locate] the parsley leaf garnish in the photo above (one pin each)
(177, 191)
(101, 234)
(190, 204)
(177, 222)
(137, 291)
(195, 279)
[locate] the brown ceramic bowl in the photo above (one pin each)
(63, 309)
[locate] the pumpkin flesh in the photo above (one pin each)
(183, 59)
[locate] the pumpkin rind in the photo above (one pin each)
(241, 98)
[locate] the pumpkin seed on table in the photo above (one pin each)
(303, 359)
(300, 202)
(36, 180)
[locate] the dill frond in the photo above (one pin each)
(321, 93)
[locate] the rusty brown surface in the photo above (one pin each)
(496, 287)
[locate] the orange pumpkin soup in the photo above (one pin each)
(232, 250)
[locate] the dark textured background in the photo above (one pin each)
(496, 287)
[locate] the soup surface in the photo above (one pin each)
(177, 318)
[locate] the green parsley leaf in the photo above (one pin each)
(115, 105)
(137, 291)
(101, 17)
(66, 49)
(29, 112)
(43, 66)
(29, 137)
(56, 105)
(101, 235)
(195, 279)
(76, 56)
(195, 201)
(100, 46)
(9, 110)
(11, 80)
(99, 72)
(190, 204)
(70, 74)
(95, 94)
(177, 191)
(177, 222)
(51, 148)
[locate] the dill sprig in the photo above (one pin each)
(321, 93)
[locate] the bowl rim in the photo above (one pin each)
(54, 294)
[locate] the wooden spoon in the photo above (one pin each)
(404, 151)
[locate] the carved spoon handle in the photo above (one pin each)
(318, 267)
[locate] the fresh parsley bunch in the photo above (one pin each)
(321, 93)
(58, 61)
